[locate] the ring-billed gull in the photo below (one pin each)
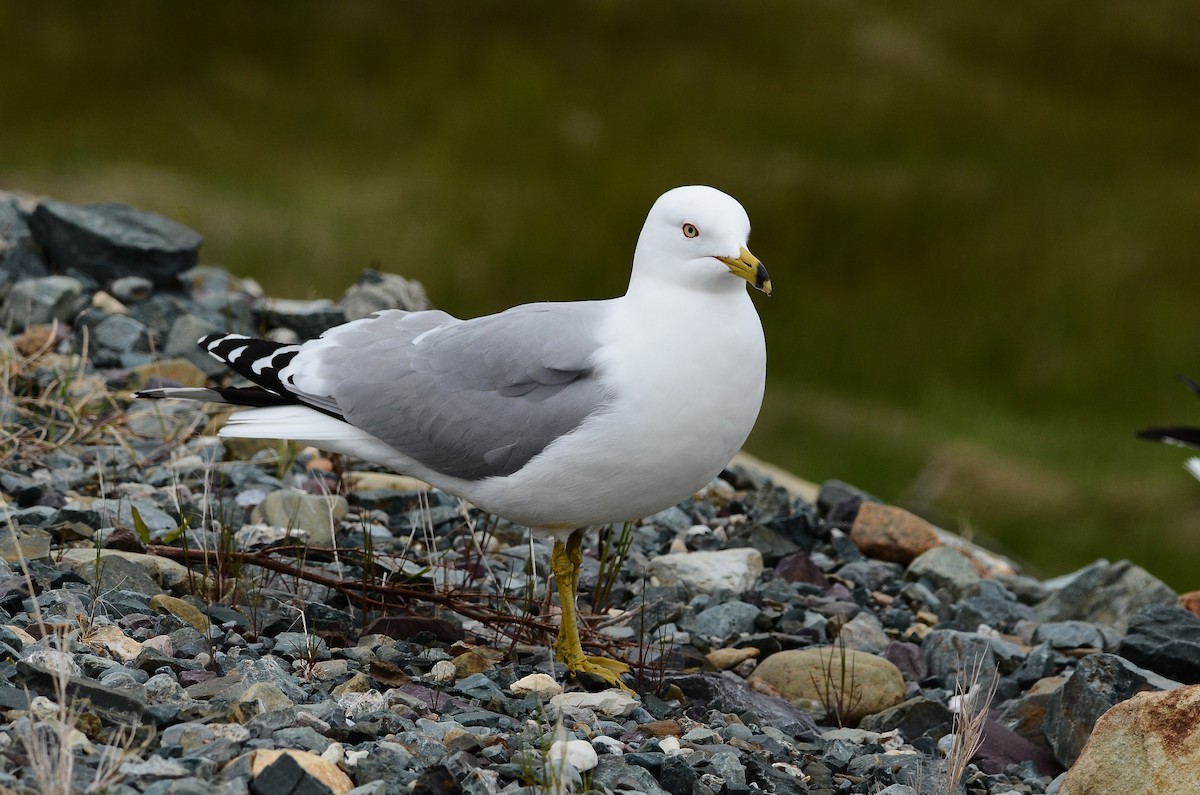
(557, 416)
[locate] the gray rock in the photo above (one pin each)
(113, 705)
(270, 671)
(41, 300)
(1099, 682)
(954, 655)
(1165, 639)
(301, 646)
(865, 633)
(116, 573)
(181, 343)
(121, 333)
(1069, 635)
(724, 621)
(613, 773)
(315, 514)
(946, 571)
(132, 289)
(119, 513)
(107, 241)
(375, 291)
(19, 255)
(1105, 593)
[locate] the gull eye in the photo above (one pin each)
(690, 230)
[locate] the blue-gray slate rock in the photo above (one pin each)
(1105, 593)
(102, 242)
(19, 255)
(1099, 682)
(1165, 639)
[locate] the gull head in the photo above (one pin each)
(696, 237)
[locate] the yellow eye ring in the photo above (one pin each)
(690, 230)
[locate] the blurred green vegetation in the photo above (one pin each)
(981, 219)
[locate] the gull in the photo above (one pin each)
(555, 416)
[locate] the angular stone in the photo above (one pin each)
(1105, 593)
(317, 515)
(914, 718)
(107, 241)
(183, 610)
(799, 567)
(542, 684)
(275, 771)
(113, 705)
(1146, 745)
(827, 679)
(945, 571)
(610, 703)
(43, 300)
(885, 532)
(375, 291)
(723, 621)
(1002, 748)
(733, 570)
(1099, 682)
(1165, 639)
(167, 372)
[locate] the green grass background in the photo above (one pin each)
(982, 219)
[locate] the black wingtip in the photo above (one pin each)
(1178, 436)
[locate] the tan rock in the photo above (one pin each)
(321, 769)
(471, 662)
(184, 611)
(259, 698)
(179, 371)
(885, 532)
(1147, 745)
(111, 639)
(724, 659)
(370, 481)
(1190, 602)
(662, 728)
(104, 301)
(830, 680)
(542, 684)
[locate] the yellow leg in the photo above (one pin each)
(564, 562)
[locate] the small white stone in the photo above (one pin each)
(669, 745)
(578, 753)
(442, 672)
(542, 684)
(707, 572)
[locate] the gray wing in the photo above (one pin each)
(471, 399)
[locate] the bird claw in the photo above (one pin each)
(588, 668)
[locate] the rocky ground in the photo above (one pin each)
(182, 614)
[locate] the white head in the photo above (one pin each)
(696, 237)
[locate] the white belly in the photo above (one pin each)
(677, 422)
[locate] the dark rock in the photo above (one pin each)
(1002, 747)
(284, 776)
(111, 704)
(799, 567)
(614, 774)
(106, 241)
(308, 319)
(1069, 635)
(1105, 593)
(729, 693)
(19, 256)
(409, 627)
(1099, 682)
(909, 658)
(1165, 639)
(917, 717)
